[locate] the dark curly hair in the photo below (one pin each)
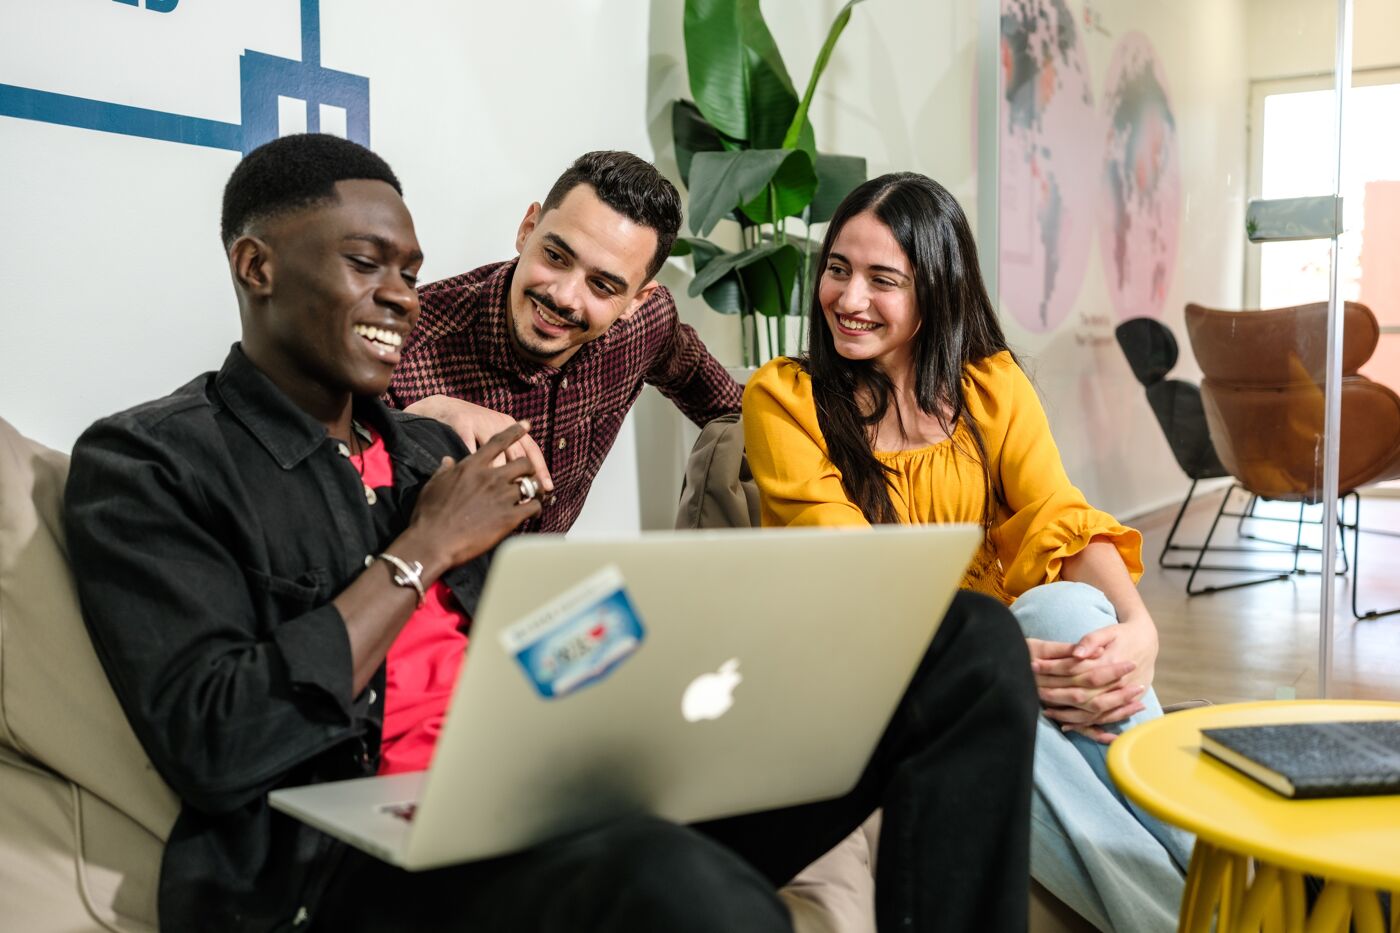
(631, 186)
(291, 173)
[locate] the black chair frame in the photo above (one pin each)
(1246, 514)
(1151, 351)
(1351, 566)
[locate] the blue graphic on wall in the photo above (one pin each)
(263, 78)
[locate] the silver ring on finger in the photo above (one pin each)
(529, 486)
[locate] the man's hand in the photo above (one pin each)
(466, 508)
(1098, 680)
(476, 425)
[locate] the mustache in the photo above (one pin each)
(543, 300)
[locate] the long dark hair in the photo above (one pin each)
(959, 327)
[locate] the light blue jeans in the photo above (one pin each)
(1120, 868)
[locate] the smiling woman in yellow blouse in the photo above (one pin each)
(910, 408)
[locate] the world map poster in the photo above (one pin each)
(1071, 169)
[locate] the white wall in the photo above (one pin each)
(1289, 38)
(116, 289)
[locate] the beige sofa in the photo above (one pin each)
(84, 816)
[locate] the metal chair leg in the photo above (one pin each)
(1176, 523)
(1284, 548)
(1206, 545)
(1298, 541)
(1356, 564)
(1342, 527)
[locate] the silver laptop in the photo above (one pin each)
(690, 675)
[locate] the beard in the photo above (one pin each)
(530, 343)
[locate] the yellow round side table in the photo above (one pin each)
(1253, 846)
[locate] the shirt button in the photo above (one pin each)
(549, 499)
(344, 451)
(302, 916)
(563, 442)
(564, 383)
(372, 696)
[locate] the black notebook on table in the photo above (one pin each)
(1314, 759)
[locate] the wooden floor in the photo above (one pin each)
(1261, 642)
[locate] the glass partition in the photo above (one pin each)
(1177, 166)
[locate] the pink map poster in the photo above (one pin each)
(1140, 198)
(1050, 162)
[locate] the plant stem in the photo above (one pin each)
(804, 306)
(779, 231)
(746, 310)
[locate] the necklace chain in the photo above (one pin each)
(357, 449)
(359, 437)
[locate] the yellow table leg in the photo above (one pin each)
(1295, 903)
(1366, 910)
(1232, 898)
(1262, 895)
(1332, 910)
(1273, 914)
(1202, 881)
(1220, 897)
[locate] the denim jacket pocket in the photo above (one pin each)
(276, 599)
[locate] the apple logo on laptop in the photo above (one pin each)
(709, 696)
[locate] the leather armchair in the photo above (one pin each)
(1264, 400)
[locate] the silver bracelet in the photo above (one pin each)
(409, 573)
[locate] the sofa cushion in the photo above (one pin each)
(718, 491)
(70, 863)
(56, 705)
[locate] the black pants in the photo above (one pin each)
(952, 771)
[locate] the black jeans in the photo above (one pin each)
(952, 771)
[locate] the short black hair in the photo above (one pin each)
(631, 186)
(294, 172)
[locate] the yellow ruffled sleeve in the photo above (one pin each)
(1045, 517)
(797, 482)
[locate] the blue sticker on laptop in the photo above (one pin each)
(578, 638)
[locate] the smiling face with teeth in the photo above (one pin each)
(327, 295)
(583, 267)
(867, 294)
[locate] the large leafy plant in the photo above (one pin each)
(747, 154)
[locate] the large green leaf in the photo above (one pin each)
(721, 181)
(837, 176)
(771, 106)
(725, 263)
(807, 140)
(770, 279)
(692, 133)
(793, 185)
(736, 71)
(799, 118)
(724, 294)
(811, 251)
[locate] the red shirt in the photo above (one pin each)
(423, 661)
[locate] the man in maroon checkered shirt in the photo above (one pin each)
(565, 335)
